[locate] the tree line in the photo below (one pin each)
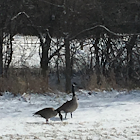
(110, 28)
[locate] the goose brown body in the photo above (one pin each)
(47, 113)
(69, 106)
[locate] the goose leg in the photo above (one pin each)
(65, 115)
(71, 114)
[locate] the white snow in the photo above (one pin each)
(100, 116)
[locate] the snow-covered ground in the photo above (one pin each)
(100, 116)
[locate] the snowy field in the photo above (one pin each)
(100, 116)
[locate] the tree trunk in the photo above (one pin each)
(46, 45)
(129, 48)
(68, 65)
(1, 54)
(106, 53)
(57, 72)
(97, 66)
(91, 59)
(57, 65)
(67, 46)
(45, 59)
(9, 51)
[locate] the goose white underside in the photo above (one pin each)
(105, 115)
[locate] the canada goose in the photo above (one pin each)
(69, 106)
(47, 113)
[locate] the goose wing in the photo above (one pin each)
(46, 113)
(63, 106)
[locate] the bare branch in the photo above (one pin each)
(108, 30)
(60, 6)
(20, 13)
(51, 56)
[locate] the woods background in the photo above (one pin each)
(109, 30)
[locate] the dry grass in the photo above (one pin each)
(106, 83)
(26, 81)
(20, 81)
(29, 81)
(21, 84)
(110, 82)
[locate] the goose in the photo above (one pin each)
(69, 106)
(47, 113)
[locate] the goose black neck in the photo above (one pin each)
(73, 90)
